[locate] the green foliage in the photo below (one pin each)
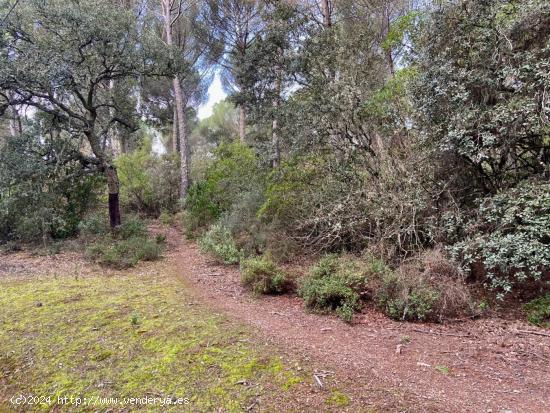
(11, 246)
(124, 253)
(334, 284)
(404, 300)
(221, 126)
(443, 370)
(233, 172)
(389, 104)
(398, 29)
(166, 218)
(287, 184)
(94, 225)
(41, 200)
(483, 67)
(427, 289)
(200, 207)
(231, 193)
(263, 276)
(219, 242)
(148, 182)
(66, 52)
(122, 249)
(509, 236)
(317, 209)
(134, 319)
(538, 311)
(132, 227)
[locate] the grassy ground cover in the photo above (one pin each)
(101, 338)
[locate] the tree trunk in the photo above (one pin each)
(182, 138)
(325, 7)
(175, 131)
(242, 123)
(179, 106)
(15, 123)
(385, 32)
(113, 184)
(114, 205)
(275, 126)
(275, 143)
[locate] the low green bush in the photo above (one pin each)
(403, 299)
(166, 218)
(30, 229)
(132, 227)
(426, 288)
(124, 253)
(218, 242)
(94, 224)
(329, 294)
(538, 311)
(11, 246)
(262, 276)
(334, 284)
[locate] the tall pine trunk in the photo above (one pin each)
(179, 106)
(182, 138)
(275, 125)
(175, 131)
(242, 123)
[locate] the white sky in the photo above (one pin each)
(215, 95)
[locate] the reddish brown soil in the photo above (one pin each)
(484, 365)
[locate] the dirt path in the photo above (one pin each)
(473, 366)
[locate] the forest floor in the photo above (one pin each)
(184, 327)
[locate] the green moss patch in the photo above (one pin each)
(130, 336)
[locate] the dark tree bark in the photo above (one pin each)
(114, 204)
(325, 6)
(385, 30)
